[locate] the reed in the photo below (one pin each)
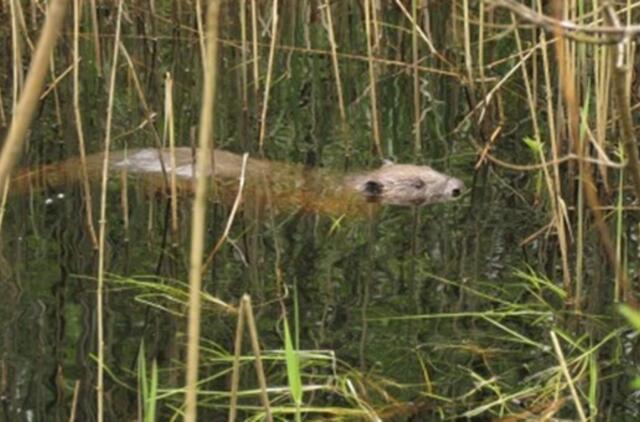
(371, 38)
(344, 124)
(203, 166)
(102, 223)
(499, 306)
(269, 75)
(25, 106)
(78, 120)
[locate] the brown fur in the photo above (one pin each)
(274, 184)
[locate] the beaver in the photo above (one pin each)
(275, 184)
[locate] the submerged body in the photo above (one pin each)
(274, 184)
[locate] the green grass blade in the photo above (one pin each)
(293, 369)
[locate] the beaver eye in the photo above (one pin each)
(373, 188)
(417, 184)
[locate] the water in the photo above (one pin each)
(440, 312)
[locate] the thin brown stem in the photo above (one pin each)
(102, 222)
(204, 167)
(255, 346)
(170, 132)
(256, 52)
(373, 91)
(336, 73)
(32, 88)
(96, 36)
(78, 124)
(235, 372)
(267, 83)
(232, 214)
(415, 52)
(74, 401)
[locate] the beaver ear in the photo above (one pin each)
(372, 189)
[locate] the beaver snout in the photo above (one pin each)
(405, 184)
(454, 187)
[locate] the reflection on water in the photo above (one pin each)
(341, 276)
(396, 297)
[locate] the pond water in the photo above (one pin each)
(450, 311)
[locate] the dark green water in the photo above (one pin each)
(441, 312)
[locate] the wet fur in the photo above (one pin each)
(275, 184)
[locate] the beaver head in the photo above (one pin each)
(406, 184)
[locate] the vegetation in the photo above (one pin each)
(517, 302)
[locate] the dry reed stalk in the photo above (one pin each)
(74, 401)
(374, 4)
(149, 115)
(602, 90)
(553, 184)
(336, 73)
(17, 80)
(56, 81)
(102, 222)
(255, 346)
(124, 198)
(487, 98)
(373, 91)
(3, 202)
(426, 40)
(415, 53)
(124, 202)
(256, 54)
(232, 214)
(481, 47)
(602, 78)
(244, 71)
(23, 24)
(555, 187)
(620, 79)
(16, 54)
(203, 169)
(53, 87)
(244, 126)
(267, 83)
(232, 43)
(567, 375)
(96, 36)
(150, 218)
(235, 372)
(170, 132)
(468, 58)
(620, 246)
(3, 116)
(32, 88)
(201, 40)
(567, 86)
(569, 95)
(580, 200)
(528, 88)
(86, 188)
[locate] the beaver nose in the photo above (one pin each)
(454, 187)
